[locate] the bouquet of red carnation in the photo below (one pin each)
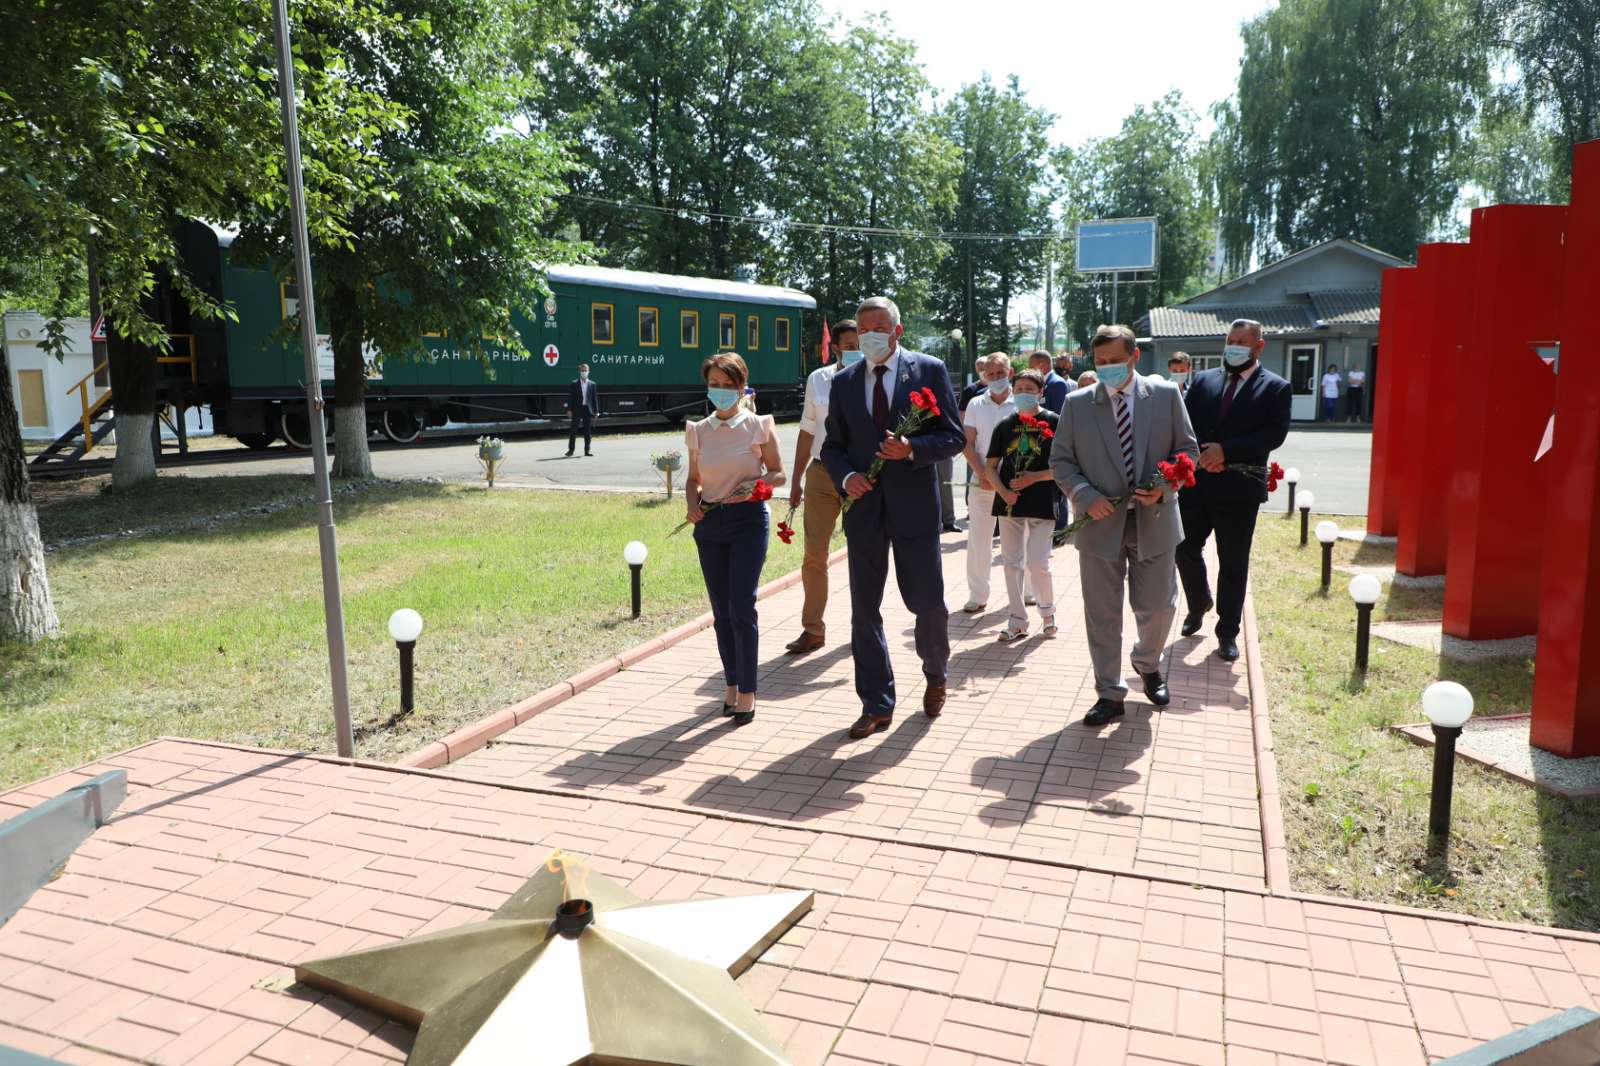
(924, 406)
(1179, 473)
(757, 491)
(1028, 445)
(785, 530)
(1272, 473)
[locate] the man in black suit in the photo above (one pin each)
(584, 404)
(1240, 413)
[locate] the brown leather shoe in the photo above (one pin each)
(869, 724)
(803, 643)
(933, 701)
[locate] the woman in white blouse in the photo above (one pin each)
(728, 451)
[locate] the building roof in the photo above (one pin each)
(1346, 306)
(675, 285)
(1381, 258)
(1214, 320)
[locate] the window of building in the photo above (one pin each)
(726, 323)
(781, 334)
(30, 390)
(602, 323)
(689, 329)
(288, 298)
(752, 333)
(649, 327)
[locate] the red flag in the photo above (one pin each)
(827, 342)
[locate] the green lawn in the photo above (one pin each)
(1356, 795)
(196, 625)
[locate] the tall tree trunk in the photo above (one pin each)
(351, 456)
(133, 396)
(27, 613)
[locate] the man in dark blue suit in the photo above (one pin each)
(1240, 413)
(899, 510)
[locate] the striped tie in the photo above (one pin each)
(1125, 434)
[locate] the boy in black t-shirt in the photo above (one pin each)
(1019, 458)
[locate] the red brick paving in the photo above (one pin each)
(939, 938)
(1007, 769)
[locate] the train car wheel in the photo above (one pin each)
(256, 442)
(296, 428)
(402, 427)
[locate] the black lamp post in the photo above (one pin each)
(634, 555)
(1327, 534)
(1364, 589)
(1291, 477)
(1448, 706)
(1308, 500)
(405, 626)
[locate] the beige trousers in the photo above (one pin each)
(821, 515)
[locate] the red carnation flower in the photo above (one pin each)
(1047, 433)
(918, 400)
(1028, 420)
(761, 491)
(785, 533)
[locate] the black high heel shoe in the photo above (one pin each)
(744, 717)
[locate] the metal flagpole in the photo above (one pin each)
(332, 605)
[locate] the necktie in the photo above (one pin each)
(1125, 434)
(880, 400)
(1227, 396)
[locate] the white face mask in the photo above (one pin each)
(1237, 356)
(1178, 377)
(584, 374)
(875, 346)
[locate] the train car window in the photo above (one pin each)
(689, 329)
(752, 332)
(649, 327)
(780, 337)
(288, 298)
(725, 327)
(602, 323)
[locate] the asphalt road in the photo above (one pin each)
(1332, 463)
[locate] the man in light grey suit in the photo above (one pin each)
(1108, 442)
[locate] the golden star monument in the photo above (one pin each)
(573, 970)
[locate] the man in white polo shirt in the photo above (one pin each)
(985, 412)
(814, 488)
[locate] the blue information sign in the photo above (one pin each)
(1116, 244)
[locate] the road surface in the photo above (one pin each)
(1332, 463)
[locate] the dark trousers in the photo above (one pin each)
(582, 422)
(1235, 524)
(732, 541)
(920, 575)
(1355, 402)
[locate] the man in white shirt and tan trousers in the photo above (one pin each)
(814, 488)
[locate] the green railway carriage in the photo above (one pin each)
(643, 335)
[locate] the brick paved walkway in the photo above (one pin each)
(1009, 768)
(941, 937)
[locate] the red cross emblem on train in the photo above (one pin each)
(551, 355)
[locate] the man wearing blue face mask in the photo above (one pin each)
(813, 488)
(1240, 414)
(897, 510)
(1107, 444)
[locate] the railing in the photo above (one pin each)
(90, 409)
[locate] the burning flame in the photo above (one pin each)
(574, 870)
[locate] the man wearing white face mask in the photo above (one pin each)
(1240, 414)
(986, 411)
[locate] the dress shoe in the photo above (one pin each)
(1227, 649)
(743, 717)
(1103, 711)
(569, 453)
(933, 701)
(1192, 620)
(869, 724)
(587, 454)
(1155, 688)
(728, 709)
(803, 643)
(951, 527)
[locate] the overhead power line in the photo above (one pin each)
(822, 227)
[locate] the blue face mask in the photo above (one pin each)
(1237, 356)
(851, 356)
(723, 399)
(1027, 402)
(1113, 375)
(999, 386)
